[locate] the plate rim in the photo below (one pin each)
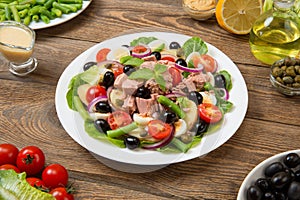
(84, 56)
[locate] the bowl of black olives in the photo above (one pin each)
(277, 177)
(285, 76)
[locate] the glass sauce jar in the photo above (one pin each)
(276, 33)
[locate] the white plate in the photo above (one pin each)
(73, 123)
(258, 172)
(64, 18)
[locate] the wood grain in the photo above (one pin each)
(28, 115)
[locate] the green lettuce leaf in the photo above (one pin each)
(14, 186)
(194, 44)
(142, 40)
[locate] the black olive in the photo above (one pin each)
(269, 196)
(108, 79)
(220, 81)
(273, 168)
(143, 92)
(254, 193)
(294, 191)
(174, 45)
(196, 97)
(297, 175)
(88, 65)
(169, 117)
(102, 125)
(263, 184)
(128, 69)
(156, 54)
(280, 196)
(132, 142)
(103, 107)
(291, 160)
(201, 127)
(280, 180)
(181, 62)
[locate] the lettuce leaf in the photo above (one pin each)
(14, 186)
(194, 44)
(142, 40)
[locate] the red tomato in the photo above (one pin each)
(176, 76)
(168, 57)
(117, 71)
(31, 160)
(55, 175)
(36, 182)
(95, 91)
(209, 112)
(9, 166)
(158, 129)
(209, 63)
(8, 154)
(61, 193)
(101, 54)
(139, 49)
(118, 119)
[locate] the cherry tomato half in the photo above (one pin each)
(118, 119)
(61, 193)
(168, 57)
(101, 54)
(139, 49)
(55, 175)
(8, 154)
(9, 166)
(31, 160)
(158, 129)
(176, 75)
(209, 113)
(36, 182)
(209, 63)
(95, 91)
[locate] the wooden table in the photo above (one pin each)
(28, 115)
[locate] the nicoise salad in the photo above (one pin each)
(150, 94)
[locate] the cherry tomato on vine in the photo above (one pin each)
(95, 91)
(101, 54)
(209, 113)
(55, 175)
(31, 160)
(36, 182)
(8, 154)
(158, 129)
(61, 193)
(118, 119)
(9, 166)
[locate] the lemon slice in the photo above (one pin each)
(238, 16)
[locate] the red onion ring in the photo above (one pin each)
(95, 101)
(192, 70)
(224, 92)
(161, 143)
(143, 54)
(175, 94)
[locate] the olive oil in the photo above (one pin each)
(276, 33)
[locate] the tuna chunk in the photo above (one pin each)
(119, 81)
(129, 104)
(130, 86)
(147, 106)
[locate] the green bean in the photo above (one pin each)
(3, 5)
(23, 13)
(2, 18)
(77, 5)
(63, 9)
(48, 4)
(27, 20)
(15, 13)
(35, 18)
(2, 12)
(46, 12)
(6, 1)
(7, 13)
(40, 2)
(22, 6)
(31, 2)
(70, 1)
(173, 106)
(70, 6)
(56, 12)
(34, 10)
(45, 19)
(122, 130)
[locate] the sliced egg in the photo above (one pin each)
(209, 98)
(116, 54)
(180, 127)
(141, 120)
(96, 116)
(156, 45)
(192, 56)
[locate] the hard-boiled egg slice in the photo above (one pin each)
(158, 45)
(96, 116)
(209, 98)
(141, 120)
(116, 54)
(180, 127)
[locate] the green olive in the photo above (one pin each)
(288, 79)
(297, 79)
(296, 85)
(290, 71)
(277, 72)
(278, 79)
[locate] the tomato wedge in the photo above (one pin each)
(170, 58)
(209, 63)
(139, 49)
(118, 119)
(176, 75)
(95, 91)
(101, 54)
(209, 113)
(158, 129)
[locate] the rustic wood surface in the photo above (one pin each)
(28, 115)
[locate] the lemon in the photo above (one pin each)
(238, 16)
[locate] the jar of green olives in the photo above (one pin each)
(285, 76)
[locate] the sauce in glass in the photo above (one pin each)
(22, 41)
